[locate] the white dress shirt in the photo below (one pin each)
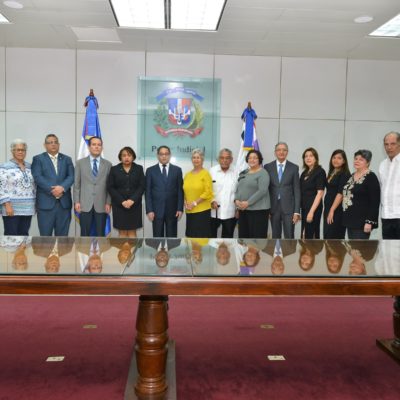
(224, 187)
(54, 160)
(166, 167)
(388, 260)
(283, 166)
(389, 175)
(98, 162)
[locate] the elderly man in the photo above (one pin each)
(224, 186)
(389, 175)
(284, 190)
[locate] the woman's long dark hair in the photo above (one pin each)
(344, 168)
(315, 154)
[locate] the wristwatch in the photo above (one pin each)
(195, 203)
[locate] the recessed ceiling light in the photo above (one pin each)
(389, 29)
(196, 15)
(363, 19)
(13, 4)
(169, 14)
(139, 13)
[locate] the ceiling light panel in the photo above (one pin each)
(139, 13)
(390, 29)
(196, 14)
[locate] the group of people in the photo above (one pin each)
(211, 199)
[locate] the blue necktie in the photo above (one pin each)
(278, 251)
(164, 171)
(95, 170)
(280, 172)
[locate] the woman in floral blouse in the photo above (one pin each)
(361, 198)
(17, 191)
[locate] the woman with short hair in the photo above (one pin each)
(198, 193)
(17, 191)
(252, 198)
(361, 198)
(126, 185)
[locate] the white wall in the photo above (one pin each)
(324, 103)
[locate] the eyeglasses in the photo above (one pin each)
(52, 142)
(21, 150)
(163, 154)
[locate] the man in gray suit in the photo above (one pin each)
(284, 191)
(91, 198)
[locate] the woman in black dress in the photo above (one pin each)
(361, 198)
(309, 249)
(312, 185)
(337, 177)
(126, 185)
(335, 252)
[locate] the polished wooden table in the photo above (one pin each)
(155, 269)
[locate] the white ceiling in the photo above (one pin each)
(302, 28)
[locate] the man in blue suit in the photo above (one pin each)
(164, 195)
(54, 175)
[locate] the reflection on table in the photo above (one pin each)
(198, 257)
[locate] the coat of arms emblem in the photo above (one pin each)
(179, 116)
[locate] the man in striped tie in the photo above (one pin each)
(91, 198)
(54, 175)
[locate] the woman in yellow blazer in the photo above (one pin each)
(197, 188)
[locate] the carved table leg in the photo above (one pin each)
(392, 346)
(396, 324)
(151, 346)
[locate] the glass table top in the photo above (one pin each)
(198, 257)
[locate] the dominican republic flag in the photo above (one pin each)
(91, 128)
(248, 140)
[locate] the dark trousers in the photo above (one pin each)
(391, 228)
(279, 219)
(56, 220)
(336, 230)
(310, 230)
(228, 227)
(253, 224)
(97, 219)
(165, 227)
(17, 225)
(357, 234)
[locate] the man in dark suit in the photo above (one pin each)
(91, 198)
(284, 191)
(164, 195)
(54, 175)
(278, 250)
(90, 253)
(52, 249)
(163, 247)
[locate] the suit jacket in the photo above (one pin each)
(88, 190)
(164, 197)
(45, 177)
(124, 186)
(83, 245)
(155, 243)
(288, 188)
(43, 246)
(287, 247)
